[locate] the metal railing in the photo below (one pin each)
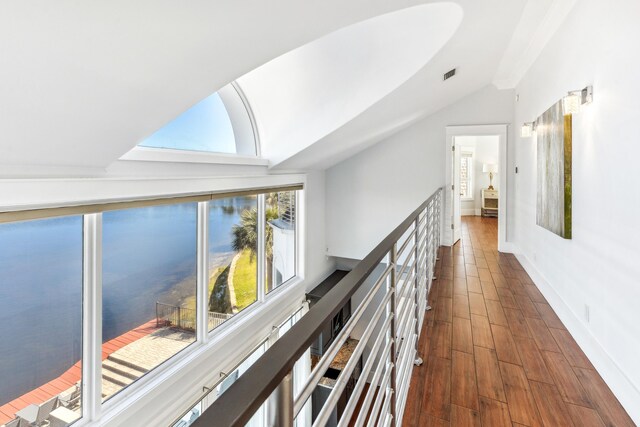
(396, 276)
(287, 206)
(185, 318)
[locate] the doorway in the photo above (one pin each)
(481, 152)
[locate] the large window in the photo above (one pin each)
(280, 238)
(466, 176)
(137, 285)
(148, 290)
(41, 321)
(220, 123)
(233, 253)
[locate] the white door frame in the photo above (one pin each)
(501, 131)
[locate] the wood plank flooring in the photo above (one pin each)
(495, 352)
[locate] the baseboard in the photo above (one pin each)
(620, 384)
(507, 247)
(470, 212)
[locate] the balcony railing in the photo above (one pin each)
(185, 318)
(397, 275)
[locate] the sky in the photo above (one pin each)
(204, 127)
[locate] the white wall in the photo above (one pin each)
(371, 193)
(599, 266)
(485, 150)
(318, 264)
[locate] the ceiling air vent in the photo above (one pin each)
(449, 74)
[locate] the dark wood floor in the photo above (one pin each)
(495, 353)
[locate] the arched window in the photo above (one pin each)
(220, 123)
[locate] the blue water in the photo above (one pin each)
(148, 255)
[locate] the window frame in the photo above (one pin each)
(245, 131)
(94, 409)
(470, 181)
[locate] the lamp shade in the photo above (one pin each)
(489, 168)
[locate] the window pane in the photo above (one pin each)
(204, 127)
(280, 238)
(41, 319)
(149, 290)
(233, 267)
(465, 175)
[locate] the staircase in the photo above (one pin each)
(117, 374)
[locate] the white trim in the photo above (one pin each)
(469, 212)
(251, 115)
(92, 317)
(150, 154)
(42, 193)
(300, 230)
(261, 256)
(500, 130)
(620, 384)
(202, 275)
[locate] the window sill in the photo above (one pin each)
(147, 154)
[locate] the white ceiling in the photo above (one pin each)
(81, 83)
(303, 95)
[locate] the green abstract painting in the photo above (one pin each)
(553, 207)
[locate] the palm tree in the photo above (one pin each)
(245, 236)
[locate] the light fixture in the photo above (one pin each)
(490, 168)
(575, 99)
(528, 129)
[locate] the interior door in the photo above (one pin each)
(455, 193)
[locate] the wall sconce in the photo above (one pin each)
(575, 99)
(528, 129)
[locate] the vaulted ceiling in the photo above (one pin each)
(81, 83)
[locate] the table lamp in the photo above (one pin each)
(490, 168)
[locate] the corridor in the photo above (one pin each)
(495, 353)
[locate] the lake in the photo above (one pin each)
(149, 255)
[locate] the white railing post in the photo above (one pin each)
(418, 360)
(281, 404)
(393, 280)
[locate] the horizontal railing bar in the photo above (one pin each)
(422, 234)
(406, 242)
(345, 374)
(97, 206)
(403, 322)
(335, 347)
(368, 399)
(237, 405)
(353, 400)
(381, 392)
(385, 407)
(409, 299)
(405, 265)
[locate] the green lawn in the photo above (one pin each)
(219, 301)
(244, 280)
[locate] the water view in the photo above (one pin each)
(148, 257)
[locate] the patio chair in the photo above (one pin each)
(70, 397)
(45, 410)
